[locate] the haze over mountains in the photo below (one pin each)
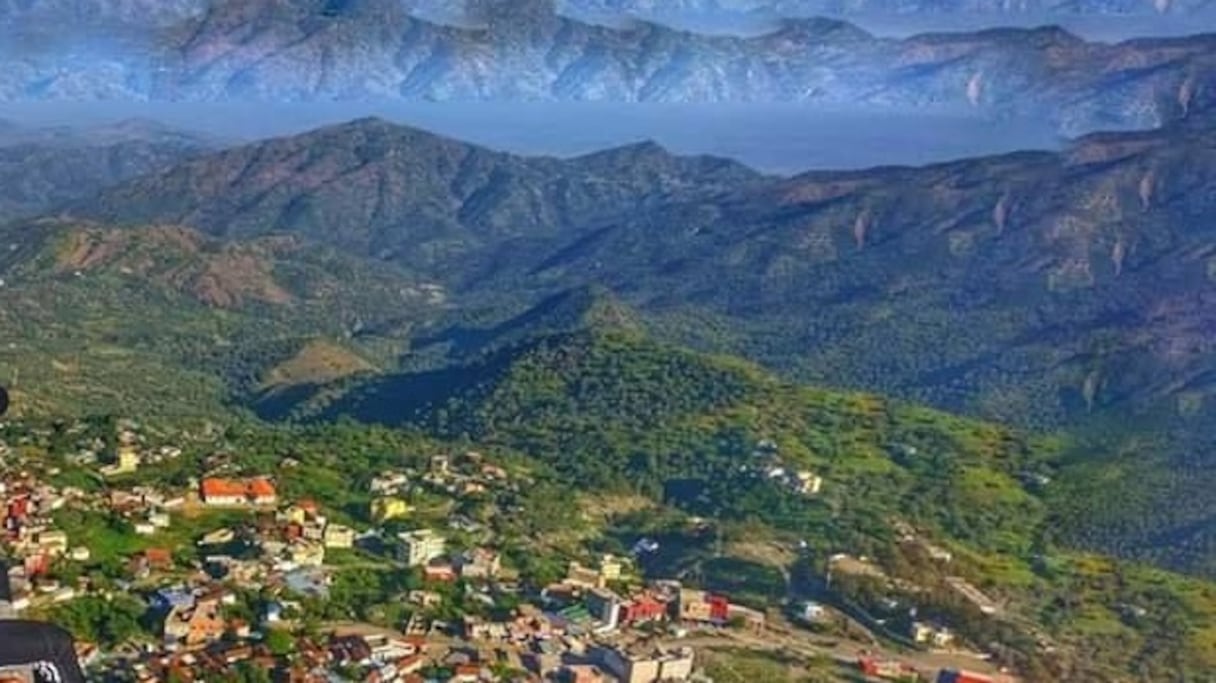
(302, 50)
(43, 168)
(1145, 7)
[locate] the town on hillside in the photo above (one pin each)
(173, 561)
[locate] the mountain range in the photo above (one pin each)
(309, 50)
(403, 195)
(843, 7)
(159, 12)
(1067, 293)
(639, 320)
(44, 168)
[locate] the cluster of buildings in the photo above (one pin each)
(33, 541)
(380, 658)
(593, 625)
(464, 476)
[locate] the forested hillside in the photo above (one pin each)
(163, 321)
(613, 411)
(1054, 292)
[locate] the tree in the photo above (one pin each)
(247, 672)
(95, 619)
(280, 643)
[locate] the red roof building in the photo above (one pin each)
(159, 558)
(643, 608)
(259, 491)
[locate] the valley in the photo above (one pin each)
(499, 397)
(206, 293)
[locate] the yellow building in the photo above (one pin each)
(295, 515)
(126, 462)
(338, 536)
(307, 554)
(384, 509)
(610, 568)
(128, 458)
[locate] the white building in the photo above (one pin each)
(420, 547)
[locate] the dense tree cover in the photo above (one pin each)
(109, 621)
(161, 322)
(612, 411)
(609, 408)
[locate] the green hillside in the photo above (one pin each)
(612, 408)
(1065, 291)
(163, 321)
(167, 324)
(615, 412)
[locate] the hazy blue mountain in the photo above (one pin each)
(133, 12)
(43, 168)
(805, 7)
(302, 50)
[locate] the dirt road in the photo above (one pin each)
(928, 664)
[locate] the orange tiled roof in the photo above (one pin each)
(158, 556)
(223, 487)
(226, 488)
(260, 487)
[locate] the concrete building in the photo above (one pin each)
(339, 536)
(647, 667)
(126, 462)
(931, 634)
(610, 568)
(480, 563)
(420, 547)
(604, 606)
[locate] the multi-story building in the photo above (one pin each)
(647, 667)
(420, 547)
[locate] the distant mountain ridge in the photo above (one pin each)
(45, 168)
(803, 7)
(141, 13)
(153, 12)
(304, 50)
(404, 195)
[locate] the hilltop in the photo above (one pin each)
(45, 168)
(401, 194)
